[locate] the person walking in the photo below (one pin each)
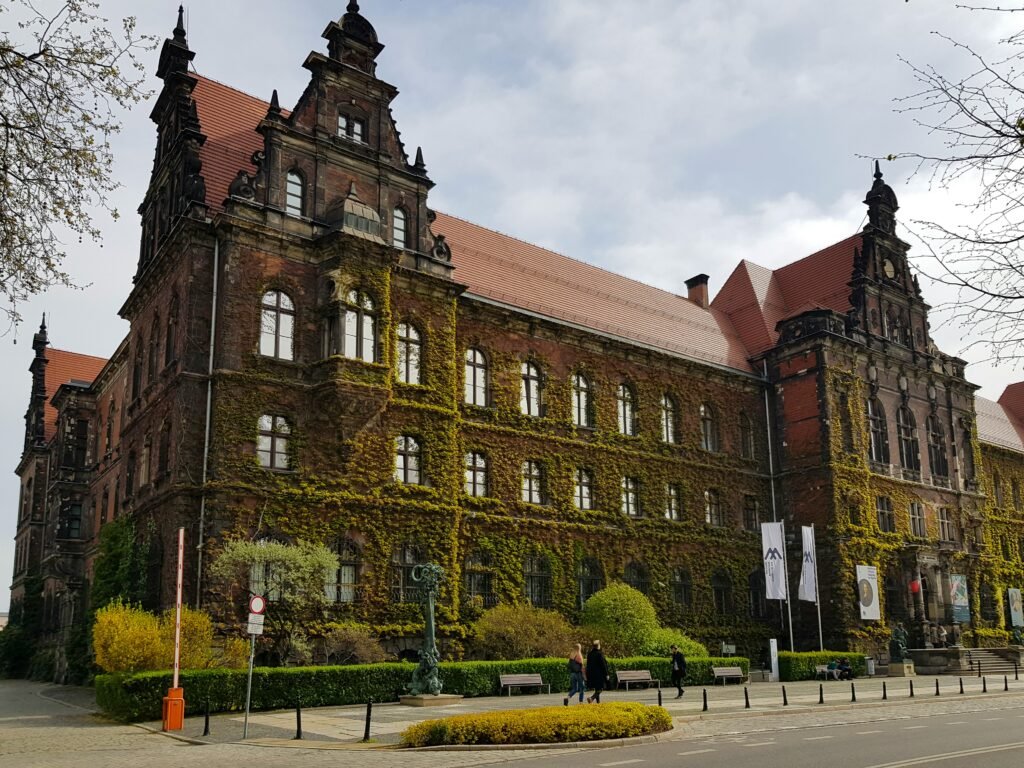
(577, 676)
(678, 670)
(597, 672)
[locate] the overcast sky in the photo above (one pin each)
(657, 138)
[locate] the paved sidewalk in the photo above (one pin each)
(340, 726)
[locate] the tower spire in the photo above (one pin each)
(353, 7)
(882, 204)
(179, 29)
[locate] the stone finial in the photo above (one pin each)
(419, 165)
(275, 105)
(179, 29)
(353, 7)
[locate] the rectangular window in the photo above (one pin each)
(72, 528)
(886, 519)
(947, 531)
(631, 496)
(673, 502)
(751, 513)
(351, 128)
(584, 490)
(917, 524)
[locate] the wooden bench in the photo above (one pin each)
(523, 681)
(729, 673)
(628, 676)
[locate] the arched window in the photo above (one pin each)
(277, 323)
(360, 339)
(403, 560)
(589, 579)
(997, 487)
(906, 427)
(399, 233)
(758, 603)
(626, 409)
(636, 576)
(879, 429)
(938, 460)
(682, 588)
(582, 412)
(344, 587)
(583, 493)
(537, 580)
(170, 343)
(631, 497)
(409, 351)
(713, 512)
(476, 387)
(295, 194)
(531, 391)
(154, 350)
(708, 428)
(721, 592)
(272, 443)
(534, 491)
(407, 460)
(746, 437)
(476, 474)
(478, 579)
(668, 419)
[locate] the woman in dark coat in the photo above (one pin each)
(597, 672)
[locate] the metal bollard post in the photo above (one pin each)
(659, 697)
(979, 667)
(785, 699)
(1006, 683)
(746, 698)
(206, 718)
(885, 693)
(369, 714)
(705, 700)
(984, 685)
(298, 719)
(911, 689)
(1015, 676)
(961, 686)
(853, 694)
(821, 693)
(565, 702)
(936, 686)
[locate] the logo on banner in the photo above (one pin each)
(774, 561)
(808, 575)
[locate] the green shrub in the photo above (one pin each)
(545, 725)
(800, 666)
(661, 641)
(521, 632)
(352, 643)
(135, 697)
(621, 617)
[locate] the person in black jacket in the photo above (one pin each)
(678, 669)
(597, 672)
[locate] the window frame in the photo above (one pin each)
(909, 444)
(474, 370)
(884, 514)
(409, 342)
(273, 325)
(709, 428)
(276, 435)
(630, 498)
(751, 513)
(531, 390)
(582, 401)
(637, 575)
(673, 502)
(295, 178)
(398, 214)
(878, 432)
(537, 581)
(669, 419)
(714, 511)
(476, 474)
(747, 446)
(583, 489)
(938, 456)
(404, 558)
(408, 460)
(918, 523)
(347, 125)
(533, 477)
(625, 399)
(360, 314)
(349, 561)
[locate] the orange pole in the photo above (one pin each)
(174, 701)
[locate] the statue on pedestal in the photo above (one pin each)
(425, 678)
(898, 643)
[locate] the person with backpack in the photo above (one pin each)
(678, 669)
(577, 674)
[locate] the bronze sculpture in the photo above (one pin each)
(425, 677)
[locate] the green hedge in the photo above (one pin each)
(800, 666)
(135, 697)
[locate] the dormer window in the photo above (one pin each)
(352, 128)
(294, 194)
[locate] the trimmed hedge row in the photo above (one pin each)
(544, 725)
(800, 666)
(135, 697)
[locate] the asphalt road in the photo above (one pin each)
(993, 738)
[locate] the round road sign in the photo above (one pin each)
(257, 604)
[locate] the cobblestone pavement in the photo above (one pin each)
(52, 726)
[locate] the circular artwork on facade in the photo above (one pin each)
(867, 593)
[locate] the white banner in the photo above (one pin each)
(867, 592)
(773, 552)
(809, 573)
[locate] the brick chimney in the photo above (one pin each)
(697, 290)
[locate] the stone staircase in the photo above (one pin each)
(993, 664)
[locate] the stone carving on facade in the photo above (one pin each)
(243, 186)
(441, 250)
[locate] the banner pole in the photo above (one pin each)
(817, 593)
(785, 576)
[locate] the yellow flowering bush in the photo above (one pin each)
(126, 639)
(614, 720)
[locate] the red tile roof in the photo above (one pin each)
(63, 367)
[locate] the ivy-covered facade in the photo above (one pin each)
(316, 354)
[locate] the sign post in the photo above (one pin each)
(174, 701)
(257, 606)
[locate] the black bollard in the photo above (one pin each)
(298, 719)
(821, 693)
(746, 698)
(911, 689)
(885, 693)
(369, 714)
(206, 718)
(853, 694)
(936, 686)
(1015, 676)
(659, 697)
(984, 685)
(565, 702)
(785, 699)
(979, 668)
(705, 700)
(1006, 683)
(961, 685)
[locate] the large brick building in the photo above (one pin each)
(315, 353)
